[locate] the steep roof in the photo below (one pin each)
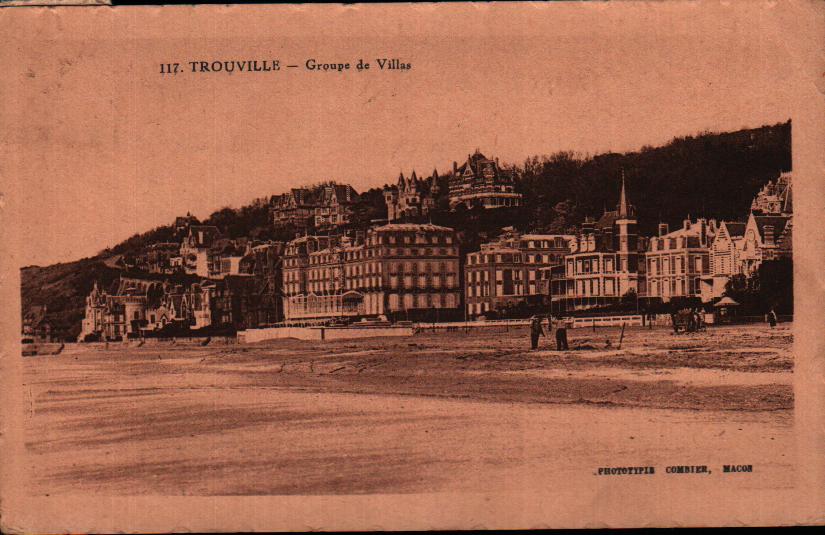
(204, 234)
(736, 229)
(788, 205)
(477, 163)
(607, 219)
(343, 193)
(777, 221)
(694, 231)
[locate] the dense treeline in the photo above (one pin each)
(710, 175)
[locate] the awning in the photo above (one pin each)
(726, 302)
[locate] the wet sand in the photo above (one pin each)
(434, 412)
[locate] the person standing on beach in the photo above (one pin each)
(561, 334)
(536, 330)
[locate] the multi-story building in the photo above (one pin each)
(768, 232)
(775, 197)
(322, 207)
(335, 206)
(264, 262)
(677, 261)
(411, 198)
(36, 326)
(767, 237)
(482, 182)
(398, 270)
(195, 247)
(606, 265)
(120, 313)
(725, 262)
(296, 208)
(296, 270)
(508, 271)
(225, 256)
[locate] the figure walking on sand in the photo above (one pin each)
(561, 334)
(536, 330)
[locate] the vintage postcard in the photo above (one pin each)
(393, 267)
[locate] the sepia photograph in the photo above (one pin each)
(407, 254)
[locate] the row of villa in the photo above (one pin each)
(403, 270)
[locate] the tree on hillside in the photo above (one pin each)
(776, 286)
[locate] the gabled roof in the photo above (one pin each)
(693, 232)
(476, 163)
(777, 221)
(736, 229)
(607, 219)
(342, 193)
(300, 195)
(204, 234)
(788, 205)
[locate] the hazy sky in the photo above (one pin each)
(101, 146)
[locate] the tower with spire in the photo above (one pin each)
(626, 242)
(626, 232)
(606, 265)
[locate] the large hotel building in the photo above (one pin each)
(402, 271)
(508, 271)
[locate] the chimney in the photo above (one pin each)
(768, 238)
(455, 167)
(686, 224)
(663, 229)
(703, 232)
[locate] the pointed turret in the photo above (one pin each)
(434, 182)
(414, 178)
(401, 181)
